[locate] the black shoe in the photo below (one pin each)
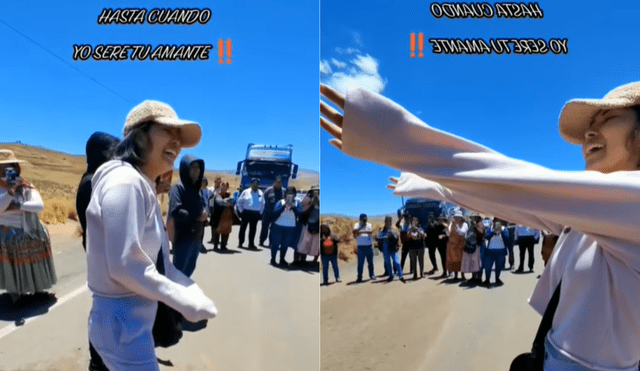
(499, 282)
(253, 247)
(403, 280)
(273, 262)
(284, 264)
(486, 282)
(359, 280)
(203, 250)
(519, 270)
(390, 279)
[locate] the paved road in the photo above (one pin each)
(268, 318)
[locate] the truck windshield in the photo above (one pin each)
(263, 169)
(269, 154)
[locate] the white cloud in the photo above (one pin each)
(347, 51)
(367, 64)
(362, 71)
(325, 68)
(338, 64)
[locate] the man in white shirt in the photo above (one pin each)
(250, 206)
(362, 232)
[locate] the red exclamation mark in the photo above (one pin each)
(228, 51)
(420, 44)
(412, 44)
(220, 50)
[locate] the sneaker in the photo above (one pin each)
(373, 278)
(338, 279)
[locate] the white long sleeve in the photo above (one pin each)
(124, 236)
(475, 177)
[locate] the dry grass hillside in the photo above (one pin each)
(342, 226)
(56, 176)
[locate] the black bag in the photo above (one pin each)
(469, 246)
(534, 360)
(167, 328)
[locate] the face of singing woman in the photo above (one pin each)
(165, 148)
(612, 143)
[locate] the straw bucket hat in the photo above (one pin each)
(162, 113)
(7, 157)
(577, 114)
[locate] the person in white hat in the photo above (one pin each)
(127, 245)
(457, 233)
(597, 320)
(26, 260)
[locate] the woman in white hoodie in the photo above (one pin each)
(125, 235)
(596, 325)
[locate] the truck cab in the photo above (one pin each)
(266, 162)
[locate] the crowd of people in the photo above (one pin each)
(466, 244)
(286, 222)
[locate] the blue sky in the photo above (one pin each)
(267, 95)
(509, 103)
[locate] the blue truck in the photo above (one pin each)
(266, 162)
(422, 207)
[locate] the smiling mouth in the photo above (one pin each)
(593, 148)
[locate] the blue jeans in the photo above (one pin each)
(333, 259)
(365, 252)
(391, 258)
(492, 256)
(185, 255)
(556, 361)
(280, 239)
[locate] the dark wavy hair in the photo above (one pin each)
(135, 147)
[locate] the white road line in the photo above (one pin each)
(12, 327)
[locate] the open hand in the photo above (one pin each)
(333, 122)
(394, 183)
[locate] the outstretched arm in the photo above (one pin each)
(480, 179)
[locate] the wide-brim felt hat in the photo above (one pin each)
(577, 114)
(162, 113)
(8, 157)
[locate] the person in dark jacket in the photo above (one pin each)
(99, 150)
(188, 211)
(272, 195)
(329, 253)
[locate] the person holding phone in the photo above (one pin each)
(362, 232)
(283, 228)
(26, 260)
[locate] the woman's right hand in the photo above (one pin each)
(204, 307)
(334, 123)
